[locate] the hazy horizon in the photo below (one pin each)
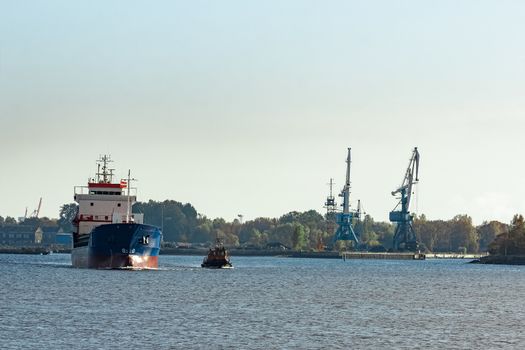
(248, 107)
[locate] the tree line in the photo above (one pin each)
(309, 230)
(31, 221)
(512, 240)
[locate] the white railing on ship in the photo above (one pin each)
(135, 217)
(85, 190)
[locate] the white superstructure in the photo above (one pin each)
(101, 202)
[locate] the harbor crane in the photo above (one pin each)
(344, 219)
(404, 236)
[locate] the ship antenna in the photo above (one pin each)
(129, 185)
(104, 169)
(128, 212)
(107, 173)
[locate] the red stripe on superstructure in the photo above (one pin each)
(103, 185)
(82, 217)
(89, 220)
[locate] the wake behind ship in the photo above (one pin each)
(106, 234)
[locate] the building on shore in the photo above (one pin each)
(13, 235)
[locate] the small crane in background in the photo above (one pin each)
(36, 212)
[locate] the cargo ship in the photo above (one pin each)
(106, 234)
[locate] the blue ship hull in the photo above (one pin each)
(124, 246)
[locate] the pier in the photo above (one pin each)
(383, 256)
(454, 256)
(409, 256)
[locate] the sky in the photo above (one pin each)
(248, 107)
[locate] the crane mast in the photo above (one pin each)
(344, 219)
(404, 236)
(331, 209)
(346, 190)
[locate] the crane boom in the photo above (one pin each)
(36, 212)
(413, 167)
(39, 206)
(408, 180)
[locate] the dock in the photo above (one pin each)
(383, 256)
(454, 256)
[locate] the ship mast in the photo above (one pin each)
(128, 212)
(128, 185)
(106, 175)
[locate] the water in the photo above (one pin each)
(263, 303)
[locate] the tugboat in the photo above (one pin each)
(217, 258)
(106, 234)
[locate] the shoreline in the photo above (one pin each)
(253, 252)
(482, 258)
(32, 250)
(503, 259)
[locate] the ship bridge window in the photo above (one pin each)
(107, 193)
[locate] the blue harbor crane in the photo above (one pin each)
(404, 236)
(344, 219)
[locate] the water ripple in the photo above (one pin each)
(264, 303)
